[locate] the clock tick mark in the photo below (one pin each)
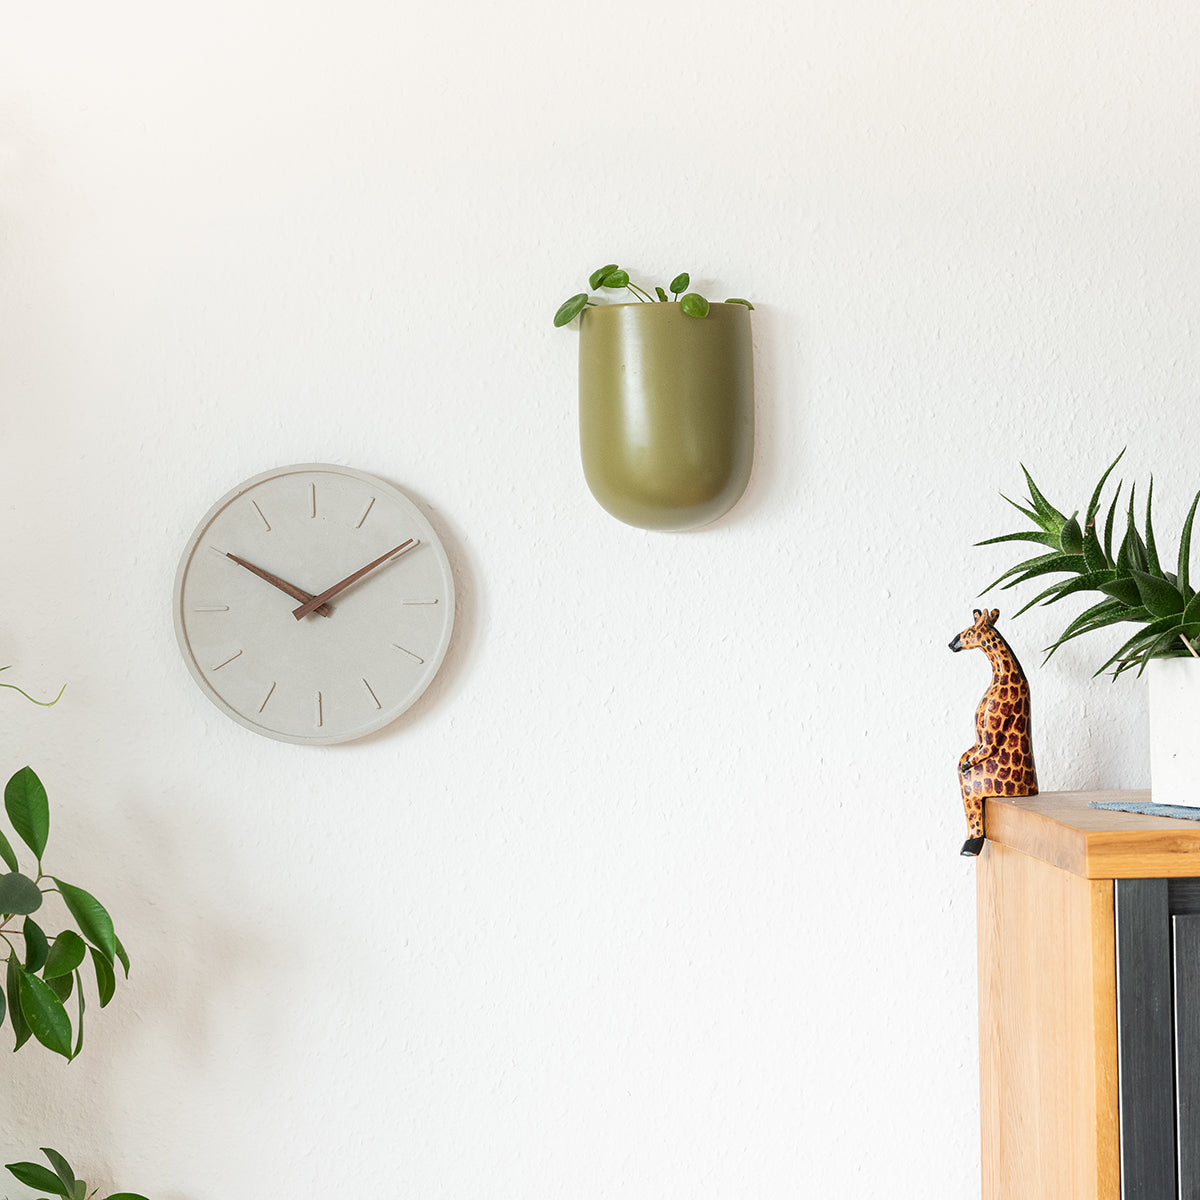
(230, 659)
(210, 608)
(415, 657)
(312, 499)
(366, 512)
(371, 692)
(419, 602)
(320, 710)
(268, 696)
(261, 515)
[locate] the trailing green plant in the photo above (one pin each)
(42, 703)
(41, 980)
(1132, 579)
(614, 277)
(61, 1181)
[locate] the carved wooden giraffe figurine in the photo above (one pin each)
(1001, 761)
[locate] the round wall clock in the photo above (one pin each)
(314, 604)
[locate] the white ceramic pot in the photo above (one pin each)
(1175, 731)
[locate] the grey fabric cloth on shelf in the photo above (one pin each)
(1148, 809)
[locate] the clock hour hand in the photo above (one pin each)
(282, 584)
(313, 602)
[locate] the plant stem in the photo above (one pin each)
(42, 703)
(643, 296)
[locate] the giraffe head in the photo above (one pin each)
(978, 633)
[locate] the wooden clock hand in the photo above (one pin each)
(282, 584)
(314, 602)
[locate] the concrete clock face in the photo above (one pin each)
(314, 604)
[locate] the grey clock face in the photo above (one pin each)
(275, 543)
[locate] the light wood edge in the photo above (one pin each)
(1076, 1155)
(1058, 828)
(1104, 1037)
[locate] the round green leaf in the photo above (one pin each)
(28, 809)
(568, 310)
(34, 1175)
(46, 1016)
(694, 305)
(65, 955)
(681, 282)
(92, 918)
(615, 279)
(36, 947)
(126, 1196)
(19, 894)
(599, 273)
(739, 300)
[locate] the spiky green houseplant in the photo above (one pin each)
(1135, 585)
(61, 1181)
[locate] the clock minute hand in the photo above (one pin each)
(282, 584)
(314, 602)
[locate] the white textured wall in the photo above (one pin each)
(656, 894)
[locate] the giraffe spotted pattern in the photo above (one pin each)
(1001, 761)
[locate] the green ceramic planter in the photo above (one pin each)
(666, 411)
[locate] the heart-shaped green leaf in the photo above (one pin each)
(739, 300)
(92, 918)
(45, 1013)
(65, 955)
(568, 310)
(694, 305)
(615, 278)
(19, 894)
(28, 810)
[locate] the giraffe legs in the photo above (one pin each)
(972, 794)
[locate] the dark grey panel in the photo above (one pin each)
(1184, 896)
(1144, 1036)
(1186, 938)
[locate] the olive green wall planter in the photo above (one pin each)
(666, 411)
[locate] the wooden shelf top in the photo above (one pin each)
(1060, 828)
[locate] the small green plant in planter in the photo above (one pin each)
(61, 1181)
(43, 974)
(1132, 580)
(617, 278)
(666, 401)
